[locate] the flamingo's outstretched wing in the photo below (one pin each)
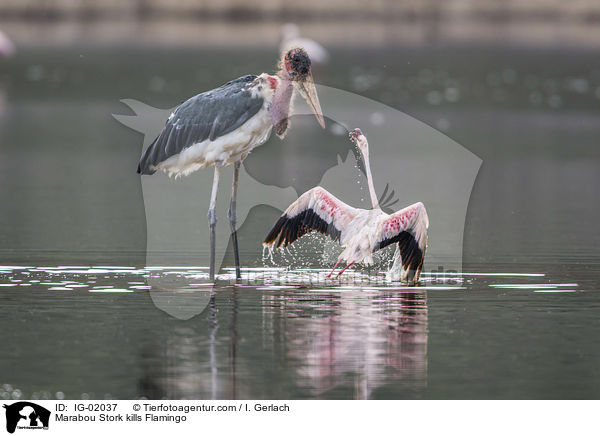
(315, 210)
(407, 227)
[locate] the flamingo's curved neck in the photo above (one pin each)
(365, 153)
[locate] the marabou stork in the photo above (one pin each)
(220, 127)
(360, 232)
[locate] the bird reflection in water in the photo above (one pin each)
(348, 344)
(355, 342)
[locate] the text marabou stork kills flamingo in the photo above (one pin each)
(221, 127)
(360, 232)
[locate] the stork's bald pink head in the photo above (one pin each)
(295, 68)
(297, 63)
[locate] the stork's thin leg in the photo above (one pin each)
(336, 264)
(212, 221)
(233, 218)
(345, 268)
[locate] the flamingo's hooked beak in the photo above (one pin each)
(360, 140)
(355, 134)
(308, 91)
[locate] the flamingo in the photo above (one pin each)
(360, 232)
(221, 127)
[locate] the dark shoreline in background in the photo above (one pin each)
(244, 14)
(214, 30)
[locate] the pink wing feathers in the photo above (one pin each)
(315, 210)
(408, 228)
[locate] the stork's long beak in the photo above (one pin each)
(308, 91)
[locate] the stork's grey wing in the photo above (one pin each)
(206, 116)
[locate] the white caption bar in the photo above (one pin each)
(301, 417)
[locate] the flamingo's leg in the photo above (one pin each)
(336, 264)
(233, 218)
(345, 268)
(212, 221)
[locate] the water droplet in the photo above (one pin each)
(578, 84)
(452, 94)
(509, 76)
(35, 73)
(377, 118)
(536, 98)
(434, 97)
(554, 101)
(443, 124)
(337, 129)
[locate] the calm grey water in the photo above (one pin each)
(522, 321)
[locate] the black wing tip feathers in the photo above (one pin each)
(276, 230)
(288, 229)
(412, 256)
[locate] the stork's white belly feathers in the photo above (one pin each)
(224, 150)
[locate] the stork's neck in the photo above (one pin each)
(365, 154)
(280, 105)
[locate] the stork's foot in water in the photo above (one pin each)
(233, 219)
(212, 225)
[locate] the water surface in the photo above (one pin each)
(95, 333)
(79, 318)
